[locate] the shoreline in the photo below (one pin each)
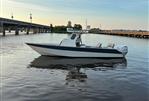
(132, 35)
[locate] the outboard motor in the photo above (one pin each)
(122, 48)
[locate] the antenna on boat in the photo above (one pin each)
(86, 24)
(100, 26)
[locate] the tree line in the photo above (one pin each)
(63, 28)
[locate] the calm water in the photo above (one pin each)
(27, 76)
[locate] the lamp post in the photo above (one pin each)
(30, 17)
(12, 16)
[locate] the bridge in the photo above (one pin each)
(17, 26)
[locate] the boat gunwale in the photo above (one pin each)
(81, 49)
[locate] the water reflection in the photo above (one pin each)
(74, 66)
(66, 63)
(76, 74)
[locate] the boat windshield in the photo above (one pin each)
(73, 36)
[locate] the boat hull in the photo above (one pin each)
(62, 51)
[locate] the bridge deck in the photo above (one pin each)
(10, 24)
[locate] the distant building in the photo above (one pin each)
(88, 27)
(69, 24)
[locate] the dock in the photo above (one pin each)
(137, 34)
(126, 33)
(17, 26)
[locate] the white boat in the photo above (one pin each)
(73, 47)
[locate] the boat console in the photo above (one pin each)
(74, 40)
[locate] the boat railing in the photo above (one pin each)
(99, 45)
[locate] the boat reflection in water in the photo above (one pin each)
(75, 66)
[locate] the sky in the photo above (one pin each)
(104, 14)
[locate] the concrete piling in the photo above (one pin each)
(16, 30)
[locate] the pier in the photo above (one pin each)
(17, 26)
(126, 33)
(136, 34)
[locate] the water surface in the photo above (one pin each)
(27, 76)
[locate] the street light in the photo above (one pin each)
(12, 16)
(30, 17)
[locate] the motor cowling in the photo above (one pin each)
(122, 48)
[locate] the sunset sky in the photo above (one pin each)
(107, 14)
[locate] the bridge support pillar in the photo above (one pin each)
(9, 30)
(4, 31)
(38, 30)
(27, 31)
(34, 31)
(21, 30)
(45, 30)
(49, 31)
(42, 30)
(16, 31)
(2, 28)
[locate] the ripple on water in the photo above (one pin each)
(112, 82)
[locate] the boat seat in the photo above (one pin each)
(99, 45)
(60, 43)
(110, 45)
(82, 45)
